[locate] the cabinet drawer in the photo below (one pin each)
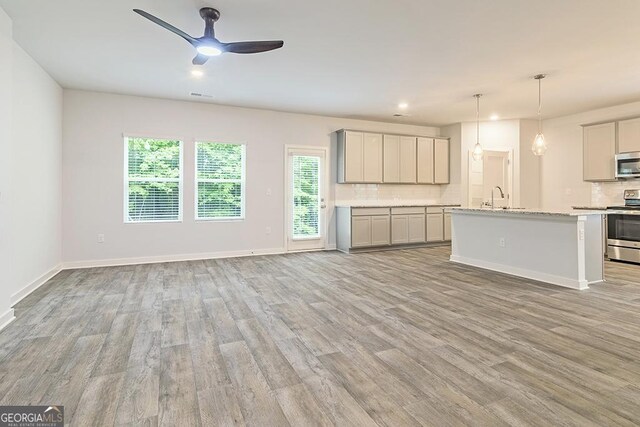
(407, 211)
(369, 211)
(434, 210)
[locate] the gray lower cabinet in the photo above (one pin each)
(447, 226)
(360, 231)
(435, 227)
(367, 227)
(407, 225)
(380, 235)
(359, 228)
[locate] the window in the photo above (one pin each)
(153, 180)
(220, 175)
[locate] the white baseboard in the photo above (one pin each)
(6, 318)
(170, 258)
(522, 272)
(18, 296)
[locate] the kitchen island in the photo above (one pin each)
(559, 247)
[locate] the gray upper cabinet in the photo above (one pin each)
(391, 169)
(425, 161)
(365, 157)
(399, 159)
(599, 150)
(408, 159)
(359, 157)
(441, 161)
(629, 135)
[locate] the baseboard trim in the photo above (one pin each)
(6, 318)
(522, 272)
(18, 296)
(170, 258)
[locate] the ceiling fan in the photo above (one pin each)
(208, 45)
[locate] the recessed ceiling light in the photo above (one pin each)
(494, 117)
(197, 73)
(403, 106)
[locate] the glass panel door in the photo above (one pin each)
(305, 199)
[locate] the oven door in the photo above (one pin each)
(628, 165)
(624, 230)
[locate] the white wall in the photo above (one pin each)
(30, 172)
(503, 135)
(530, 166)
(515, 136)
(93, 126)
(562, 185)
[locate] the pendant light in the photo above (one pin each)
(477, 150)
(539, 145)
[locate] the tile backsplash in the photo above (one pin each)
(391, 193)
(611, 193)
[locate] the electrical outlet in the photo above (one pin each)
(100, 238)
(268, 230)
(502, 242)
(268, 191)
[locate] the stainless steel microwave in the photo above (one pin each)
(628, 165)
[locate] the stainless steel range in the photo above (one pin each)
(623, 237)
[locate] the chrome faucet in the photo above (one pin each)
(501, 194)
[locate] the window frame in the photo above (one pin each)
(179, 180)
(242, 181)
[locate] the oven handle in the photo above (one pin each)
(623, 243)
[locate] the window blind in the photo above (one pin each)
(220, 175)
(306, 185)
(153, 180)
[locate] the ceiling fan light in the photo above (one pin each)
(539, 145)
(208, 50)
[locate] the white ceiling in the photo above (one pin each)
(355, 58)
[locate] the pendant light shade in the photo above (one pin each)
(539, 145)
(477, 150)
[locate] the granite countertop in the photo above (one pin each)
(590, 208)
(530, 211)
(393, 204)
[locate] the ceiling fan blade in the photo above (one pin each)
(252, 47)
(200, 59)
(166, 25)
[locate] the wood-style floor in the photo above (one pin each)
(389, 338)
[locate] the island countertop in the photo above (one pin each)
(501, 211)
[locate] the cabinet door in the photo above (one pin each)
(416, 228)
(629, 136)
(372, 157)
(435, 227)
(599, 152)
(399, 229)
(360, 231)
(447, 226)
(441, 161)
(425, 161)
(408, 159)
(391, 172)
(353, 157)
(380, 230)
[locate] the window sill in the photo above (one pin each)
(219, 219)
(159, 221)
